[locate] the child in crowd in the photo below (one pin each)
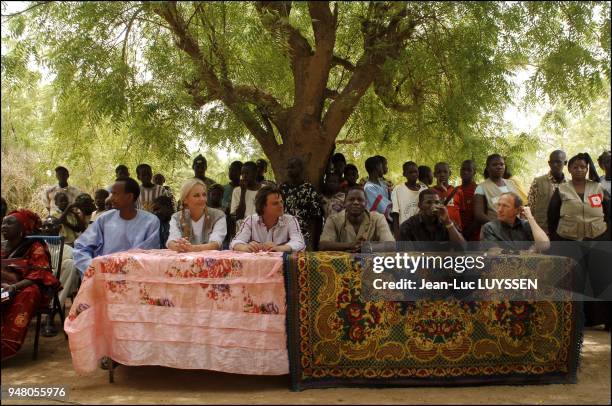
(163, 208)
(100, 199)
(333, 198)
(215, 196)
(405, 197)
(446, 191)
(69, 217)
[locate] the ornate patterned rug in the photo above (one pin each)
(335, 338)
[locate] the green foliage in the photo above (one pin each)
(119, 82)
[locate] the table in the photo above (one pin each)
(217, 310)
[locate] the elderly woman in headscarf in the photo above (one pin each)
(26, 276)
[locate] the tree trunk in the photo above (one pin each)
(307, 140)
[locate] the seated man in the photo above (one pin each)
(269, 229)
(511, 230)
(118, 230)
(345, 231)
(431, 223)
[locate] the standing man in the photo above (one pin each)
(199, 171)
(243, 196)
(544, 186)
(235, 169)
(149, 191)
(62, 175)
(119, 230)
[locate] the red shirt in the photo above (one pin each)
(453, 209)
(464, 200)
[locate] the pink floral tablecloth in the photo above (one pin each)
(217, 310)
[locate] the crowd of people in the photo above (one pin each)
(250, 213)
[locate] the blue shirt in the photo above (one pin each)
(372, 191)
(109, 233)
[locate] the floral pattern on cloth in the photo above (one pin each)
(208, 268)
(305, 204)
(160, 307)
(338, 338)
(145, 298)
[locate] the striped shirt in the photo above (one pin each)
(148, 194)
(285, 231)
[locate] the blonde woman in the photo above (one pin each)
(196, 227)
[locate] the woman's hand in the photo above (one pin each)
(182, 245)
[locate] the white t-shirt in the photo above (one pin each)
(249, 199)
(405, 201)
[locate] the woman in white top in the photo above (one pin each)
(196, 227)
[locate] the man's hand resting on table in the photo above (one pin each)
(255, 246)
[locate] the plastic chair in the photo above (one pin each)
(55, 244)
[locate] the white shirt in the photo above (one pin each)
(249, 199)
(405, 201)
(217, 234)
(285, 231)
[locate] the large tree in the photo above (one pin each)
(298, 75)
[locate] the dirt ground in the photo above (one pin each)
(159, 385)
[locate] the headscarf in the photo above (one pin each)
(30, 222)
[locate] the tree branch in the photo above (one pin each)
(345, 63)
(9, 16)
(235, 99)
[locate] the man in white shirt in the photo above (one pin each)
(243, 196)
(71, 192)
(269, 229)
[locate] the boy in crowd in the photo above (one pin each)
(100, 200)
(425, 175)
(69, 218)
(163, 208)
(377, 194)
(215, 197)
(351, 175)
(121, 172)
(446, 192)
(405, 197)
(464, 200)
(235, 169)
(333, 198)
